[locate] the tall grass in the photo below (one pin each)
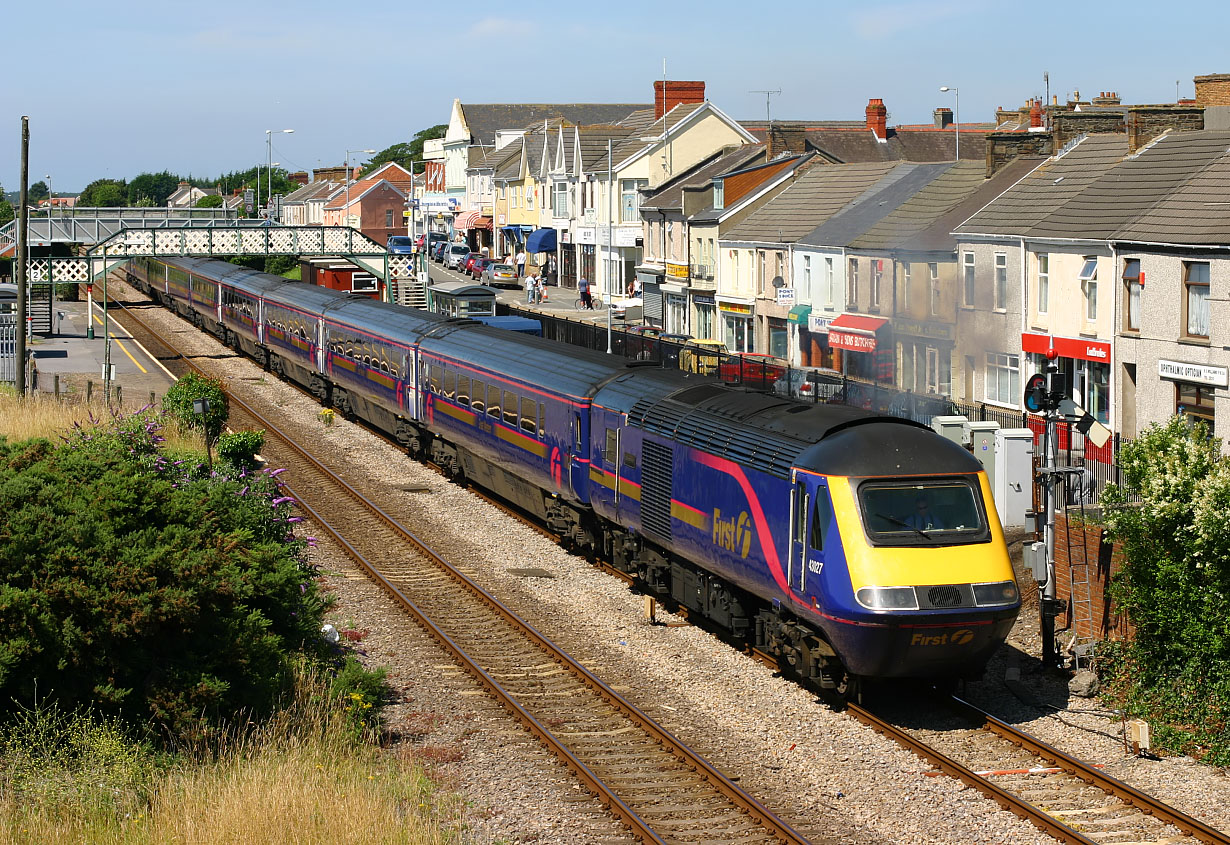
(303, 776)
(41, 415)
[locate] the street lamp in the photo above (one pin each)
(346, 215)
(51, 198)
(956, 114)
(269, 170)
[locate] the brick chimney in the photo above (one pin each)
(1035, 114)
(943, 118)
(668, 93)
(877, 118)
(1213, 89)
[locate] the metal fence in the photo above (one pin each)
(1097, 466)
(8, 348)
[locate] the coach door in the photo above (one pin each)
(810, 515)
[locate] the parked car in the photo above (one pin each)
(500, 275)
(814, 384)
(466, 265)
(437, 250)
(400, 244)
(454, 255)
(431, 238)
(480, 264)
(751, 369)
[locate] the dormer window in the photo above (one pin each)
(719, 193)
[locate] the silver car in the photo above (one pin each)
(498, 275)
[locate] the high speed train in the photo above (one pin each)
(847, 544)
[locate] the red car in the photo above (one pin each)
(751, 369)
(466, 266)
(479, 265)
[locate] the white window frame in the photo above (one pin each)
(905, 287)
(1131, 305)
(1001, 281)
(877, 275)
(1201, 301)
(807, 277)
(967, 279)
(933, 269)
(1003, 370)
(1044, 281)
(630, 199)
(828, 280)
(559, 203)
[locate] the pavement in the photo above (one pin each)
(560, 301)
(77, 360)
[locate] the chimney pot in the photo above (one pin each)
(877, 117)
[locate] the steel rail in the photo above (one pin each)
(1111, 785)
(723, 785)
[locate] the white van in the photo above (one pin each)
(455, 255)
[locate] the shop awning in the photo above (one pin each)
(540, 240)
(855, 332)
(799, 314)
(481, 222)
(465, 219)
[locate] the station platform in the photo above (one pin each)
(72, 360)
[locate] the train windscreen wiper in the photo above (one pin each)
(903, 524)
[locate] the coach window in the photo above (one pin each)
(479, 392)
(542, 420)
(612, 446)
(463, 390)
(510, 408)
(493, 401)
(437, 375)
(450, 384)
(529, 420)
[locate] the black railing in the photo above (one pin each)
(1098, 466)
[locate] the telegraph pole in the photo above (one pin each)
(23, 226)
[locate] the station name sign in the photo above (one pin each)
(1195, 373)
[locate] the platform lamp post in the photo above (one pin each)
(51, 207)
(956, 114)
(269, 169)
(346, 216)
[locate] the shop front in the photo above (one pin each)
(1195, 387)
(736, 324)
(924, 355)
(704, 315)
(866, 345)
(1085, 363)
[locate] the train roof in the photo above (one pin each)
(887, 446)
(548, 364)
(307, 297)
(386, 320)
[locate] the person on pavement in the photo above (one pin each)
(520, 263)
(531, 289)
(586, 298)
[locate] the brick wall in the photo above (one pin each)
(1078, 548)
(1069, 124)
(1003, 147)
(1146, 123)
(1213, 89)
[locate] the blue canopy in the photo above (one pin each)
(540, 240)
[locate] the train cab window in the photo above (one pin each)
(942, 511)
(801, 506)
(450, 384)
(821, 515)
(493, 401)
(437, 376)
(510, 408)
(529, 417)
(479, 402)
(463, 390)
(612, 446)
(629, 460)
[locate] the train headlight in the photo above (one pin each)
(999, 592)
(887, 598)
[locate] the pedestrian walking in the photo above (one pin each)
(587, 298)
(520, 263)
(531, 289)
(542, 289)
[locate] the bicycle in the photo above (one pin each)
(579, 303)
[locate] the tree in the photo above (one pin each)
(1171, 515)
(154, 187)
(211, 201)
(104, 193)
(38, 191)
(404, 153)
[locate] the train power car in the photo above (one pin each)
(849, 545)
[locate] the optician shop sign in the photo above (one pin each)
(1195, 373)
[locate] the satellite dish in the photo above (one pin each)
(779, 282)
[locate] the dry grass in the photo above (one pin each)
(300, 778)
(41, 415)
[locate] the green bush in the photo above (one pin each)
(138, 585)
(177, 401)
(1174, 586)
(240, 448)
(361, 691)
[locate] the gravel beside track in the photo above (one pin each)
(824, 773)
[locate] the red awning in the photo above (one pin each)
(465, 219)
(483, 222)
(855, 332)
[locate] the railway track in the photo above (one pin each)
(662, 790)
(1064, 797)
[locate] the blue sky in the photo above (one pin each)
(115, 89)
